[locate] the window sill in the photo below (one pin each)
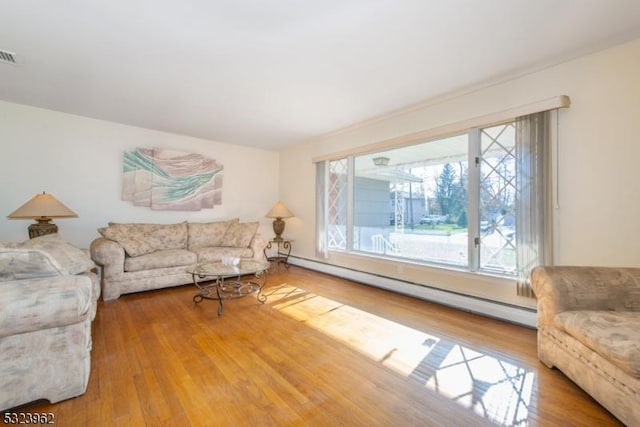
(477, 284)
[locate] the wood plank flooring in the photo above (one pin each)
(321, 351)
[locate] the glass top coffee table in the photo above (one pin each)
(220, 281)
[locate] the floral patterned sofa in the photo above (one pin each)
(589, 328)
(48, 298)
(138, 257)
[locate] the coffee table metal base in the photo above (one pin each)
(228, 288)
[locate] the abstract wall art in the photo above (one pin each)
(171, 180)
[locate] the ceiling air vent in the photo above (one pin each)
(7, 57)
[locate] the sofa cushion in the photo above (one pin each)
(72, 260)
(239, 234)
(21, 263)
(216, 254)
(160, 259)
(613, 335)
(158, 236)
(207, 234)
(43, 256)
(133, 244)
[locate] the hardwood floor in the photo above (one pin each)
(321, 351)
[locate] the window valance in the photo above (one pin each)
(561, 101)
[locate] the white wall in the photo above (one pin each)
(79, 161)
(598, 219)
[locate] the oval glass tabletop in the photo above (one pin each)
(219, 269)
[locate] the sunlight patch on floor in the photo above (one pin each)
(495, 389)
(383, 340)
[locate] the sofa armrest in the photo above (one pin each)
(109, 255)
(34, 304)
(565, 288)
(257, 245)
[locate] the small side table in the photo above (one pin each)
(283, 250)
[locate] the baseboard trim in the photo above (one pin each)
(510, 313)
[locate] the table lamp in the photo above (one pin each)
(43, 207)
(278, 211)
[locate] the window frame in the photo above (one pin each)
(474, 153)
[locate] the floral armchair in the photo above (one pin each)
(48, 299)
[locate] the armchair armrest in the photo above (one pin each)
(34, 304)
(565, 288)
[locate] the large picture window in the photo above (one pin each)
(411, 202)
(463, 201)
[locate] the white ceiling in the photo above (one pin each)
(267, 73)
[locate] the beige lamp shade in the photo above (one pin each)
(42, 208)
(278, 211)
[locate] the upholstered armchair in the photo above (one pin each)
(589, 328)
(48, 298)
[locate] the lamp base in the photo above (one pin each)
(41, 229)
(278, 229)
